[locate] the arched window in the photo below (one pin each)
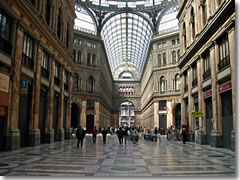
(177, 82)
(90, 84)
(178, 54)
(174, 57)
(163, 84)
(184, 36)
(48, 12)
(192, 21)
(59, 27)
(159, 60)
(75, 82)
(204, 11)
(164, 59)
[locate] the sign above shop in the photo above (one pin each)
(197, 114)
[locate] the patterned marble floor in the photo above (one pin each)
(146, 158)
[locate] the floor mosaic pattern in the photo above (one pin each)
(146, 158)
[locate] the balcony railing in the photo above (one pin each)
(207, 74)
(167, 92)
(44, 72)
(186, 88)
(27, 61)
(56, 81)
(194, 82)
(5, 46)
(224, 63)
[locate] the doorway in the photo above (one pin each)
(89, 123)
(162, 123)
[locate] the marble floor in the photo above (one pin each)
(146, 158)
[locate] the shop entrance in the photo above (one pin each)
(75, 116)
(162, 123)
(227, 119)
(89, 123)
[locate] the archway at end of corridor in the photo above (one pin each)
(75, 116)
(127, 114)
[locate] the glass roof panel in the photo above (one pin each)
(84, 20)
(129, 43)
(169, 21)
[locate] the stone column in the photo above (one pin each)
(183, 109)
(13, 133)
(60, 130)
(156, 116)
(69, 104)
(49, 120)
(215, 133)
(231, 40)
(83, 114)
(201, 137)
(96, 119)
(34, 134)
(190, 104)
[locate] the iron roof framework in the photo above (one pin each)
(126, 27)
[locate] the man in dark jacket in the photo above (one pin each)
(104, 134)
(80, 135)
(120, 135)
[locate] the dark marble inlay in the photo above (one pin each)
(216, 156)
(33, 154)
(123, 169)
(3, 165)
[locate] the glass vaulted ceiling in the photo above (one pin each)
(126, 37)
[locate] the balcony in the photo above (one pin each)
(5, 46)
(44, 72)
(27, 61)
(207, 74)
(56, 81)
(194, 82)
(224, 63)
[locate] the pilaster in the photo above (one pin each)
(96, 119)
(215, 134)
(69, 102)
(83, 114)
(60, 130)
(231, 40)
(156, 116)
(49, 120)
(183, 109)
(13, 133)
(34, 134)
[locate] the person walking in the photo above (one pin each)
(80, 136)
(120, 135)
(184, 135)
(104, 134)
(94, 132)
(125, 134)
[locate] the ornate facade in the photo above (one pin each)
(207, 66)
(36, 68)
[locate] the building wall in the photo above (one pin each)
(30, 24)
(102, 78)
(213, 22)
(151, 90)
